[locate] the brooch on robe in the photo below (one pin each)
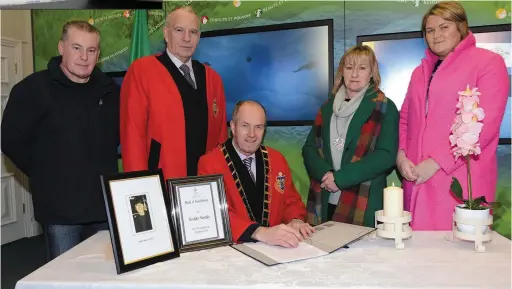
(280, 179)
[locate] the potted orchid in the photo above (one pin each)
(464, 139)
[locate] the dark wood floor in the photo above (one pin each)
(21, 258)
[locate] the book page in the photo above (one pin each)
(285, 255)
(331, 236)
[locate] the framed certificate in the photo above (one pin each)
(200, 212)
(138, 211)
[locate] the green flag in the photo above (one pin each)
(140, 37)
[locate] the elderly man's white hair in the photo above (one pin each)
(188, 9)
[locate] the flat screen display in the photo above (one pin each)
(288, 71)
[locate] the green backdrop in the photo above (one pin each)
(351, 18)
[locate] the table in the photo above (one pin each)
(428, 261)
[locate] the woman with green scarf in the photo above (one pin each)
(352, 147)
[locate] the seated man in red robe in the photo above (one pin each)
(263, 202)
(173, 108)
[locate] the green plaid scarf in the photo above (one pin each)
(354, 200)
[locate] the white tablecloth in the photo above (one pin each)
(428, 261)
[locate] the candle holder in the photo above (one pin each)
(401, 231)
(478, 237)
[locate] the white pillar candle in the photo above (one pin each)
(393, 204)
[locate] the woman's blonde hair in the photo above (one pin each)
(350, 57)
(449, 11)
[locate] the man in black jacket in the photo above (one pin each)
(61, 128)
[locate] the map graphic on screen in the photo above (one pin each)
(398, 57)
(287, 71)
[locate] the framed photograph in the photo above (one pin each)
(200, 212)
(139, 216)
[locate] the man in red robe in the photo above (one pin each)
(173, 109)
(263, 202)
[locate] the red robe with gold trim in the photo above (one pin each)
(151, 109)
(285, 202)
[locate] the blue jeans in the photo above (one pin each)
(61, 238)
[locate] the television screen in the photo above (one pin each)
(286, 67)
(396, 71)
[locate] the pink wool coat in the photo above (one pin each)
(426, 136)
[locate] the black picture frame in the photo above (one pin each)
(138, 210)
(220, 211)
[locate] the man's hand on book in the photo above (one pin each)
(304, 228)
(280, 235)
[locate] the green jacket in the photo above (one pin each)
(375, 166)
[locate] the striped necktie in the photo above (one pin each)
(247, 163)
(186, 73)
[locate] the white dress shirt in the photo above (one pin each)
(178, 64)
(243, 157)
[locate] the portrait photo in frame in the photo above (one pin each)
(139, 215)
(200, 212)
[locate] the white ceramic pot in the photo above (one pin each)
(471, 214)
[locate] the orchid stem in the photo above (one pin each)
(470, 193)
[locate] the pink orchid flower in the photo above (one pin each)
(464, 140)
(466, 129)
(470, 107)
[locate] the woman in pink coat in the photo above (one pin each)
(424, 158)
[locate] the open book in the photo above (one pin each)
(329, 237)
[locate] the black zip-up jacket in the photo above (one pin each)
(63, 135)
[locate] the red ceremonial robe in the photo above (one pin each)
(280, 201)
(152, 111)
